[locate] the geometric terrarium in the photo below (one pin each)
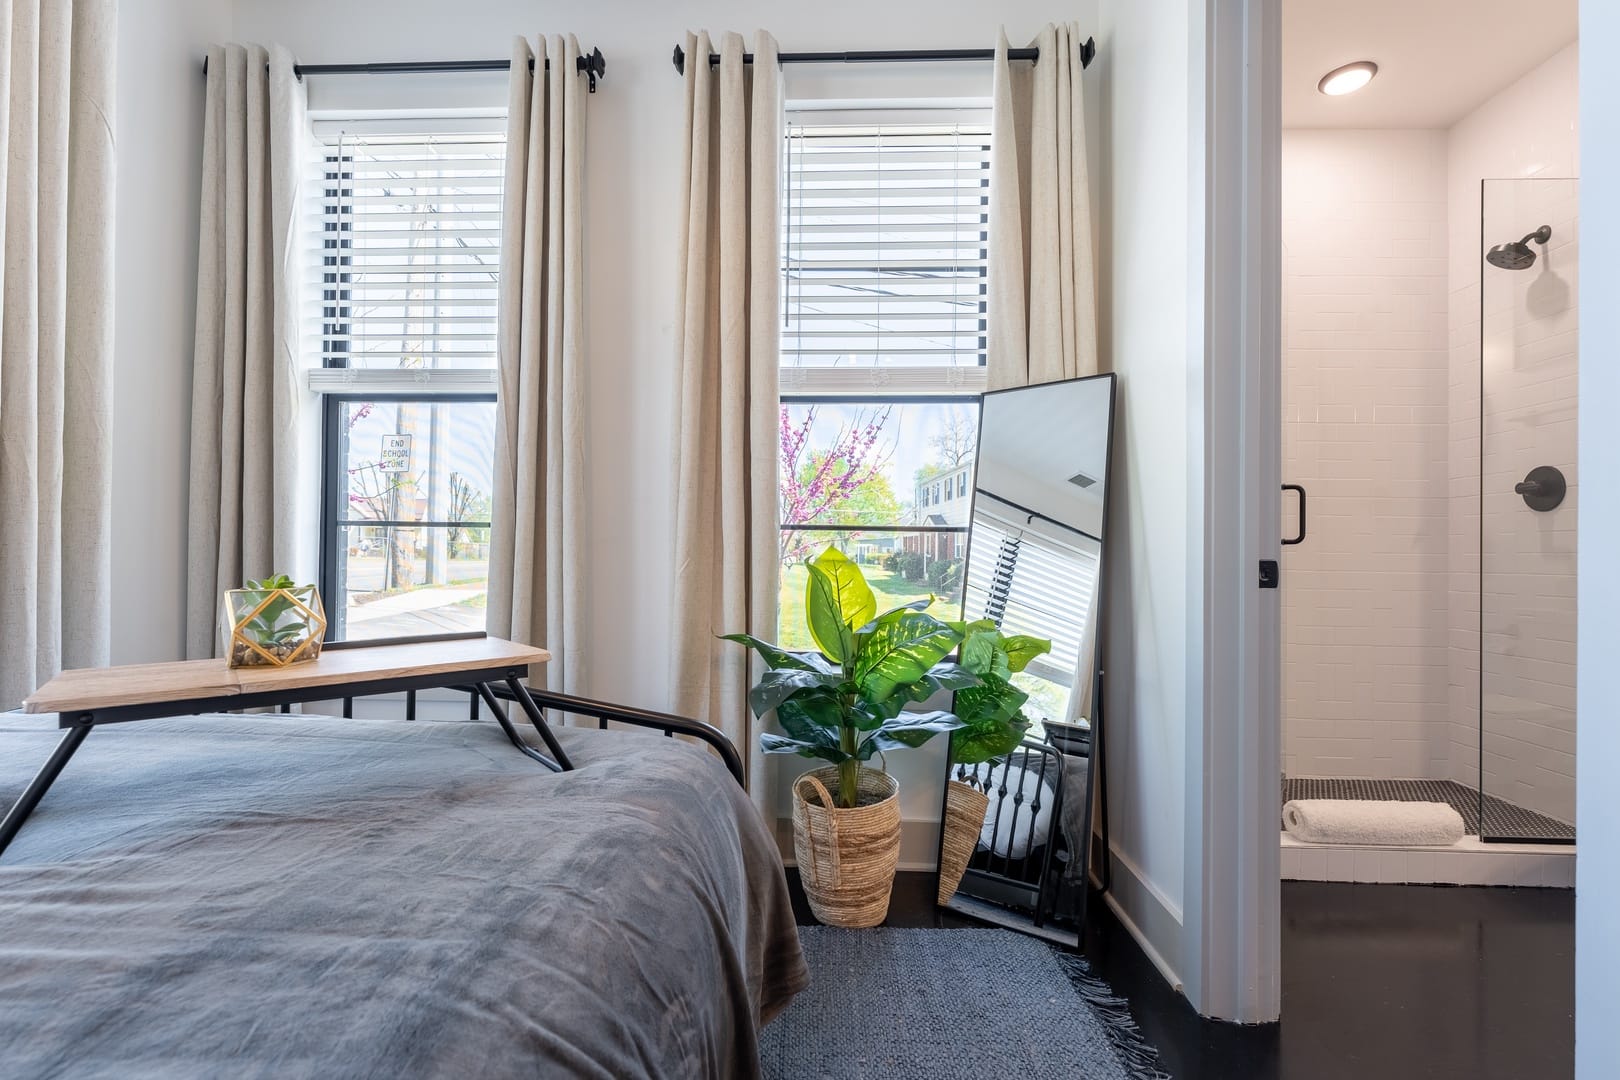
(272, 623)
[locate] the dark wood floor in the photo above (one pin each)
(1386, 982)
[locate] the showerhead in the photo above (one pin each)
(1518, 255)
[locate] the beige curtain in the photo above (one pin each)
(1043, 306)
(728, 333)
(537, 546)
(252, 497)
(56, 309)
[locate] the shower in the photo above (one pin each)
(1518, 256)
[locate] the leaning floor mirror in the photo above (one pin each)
(1015, 839)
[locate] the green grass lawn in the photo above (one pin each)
(891, 590)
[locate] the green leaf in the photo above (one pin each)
(979, 652)
(978, 743)
(1021, 649)
(871, 715)
(915, 605)
(812, 716)
(904, 740)
(778, 657)
(775, 687)
(778, 744)
(899, 651)
(837, 599)
(992, 725)
(932, 722)
(274, 581)
(910, 730)
(943, 676)
(993, 700)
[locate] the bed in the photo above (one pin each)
(264, 895)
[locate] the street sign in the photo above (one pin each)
(396, 453)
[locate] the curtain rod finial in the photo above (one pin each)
(1088, 52)
(594, 65)
(680, 60)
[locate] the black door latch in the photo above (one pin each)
(1269, 574)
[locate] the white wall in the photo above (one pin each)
(160, 97)
(1149, 313)
(1365, 431)
(1529, 129)
(1597, 881)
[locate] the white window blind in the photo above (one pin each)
(1041, 587)
(409, 250)
(884, 250)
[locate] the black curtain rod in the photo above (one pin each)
(594, 66)
(890, 56)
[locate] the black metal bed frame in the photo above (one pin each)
(1024, 882)
(1023, 894)
(605, 713)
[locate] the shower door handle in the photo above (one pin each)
(1300, 538)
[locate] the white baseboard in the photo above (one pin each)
(1147, 915)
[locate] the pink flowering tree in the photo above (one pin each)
(836, 483)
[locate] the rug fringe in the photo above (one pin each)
(1139, 1056)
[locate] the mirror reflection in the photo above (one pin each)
(1035, 540)
(1034, 562)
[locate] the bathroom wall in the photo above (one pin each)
(1527, 130)
(1365, 606)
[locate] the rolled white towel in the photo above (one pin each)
(1367, 821)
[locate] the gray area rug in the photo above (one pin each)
(941, 1004)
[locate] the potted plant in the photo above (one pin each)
(843, 702)
(993, 724)
(273, 622)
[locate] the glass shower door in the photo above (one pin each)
(1527, 507)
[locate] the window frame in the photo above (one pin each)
(336, 382)
(877, 384)
(335, 489)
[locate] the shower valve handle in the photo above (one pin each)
(1543, 489)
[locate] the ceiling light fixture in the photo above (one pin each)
(1347, 79)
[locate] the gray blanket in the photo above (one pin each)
(269, 896)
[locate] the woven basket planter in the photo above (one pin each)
(965, 807)
(847, 858)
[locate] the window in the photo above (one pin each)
(406, 257)
(883, 339)
(1040, 582)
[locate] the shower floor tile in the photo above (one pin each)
(1503, 820)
